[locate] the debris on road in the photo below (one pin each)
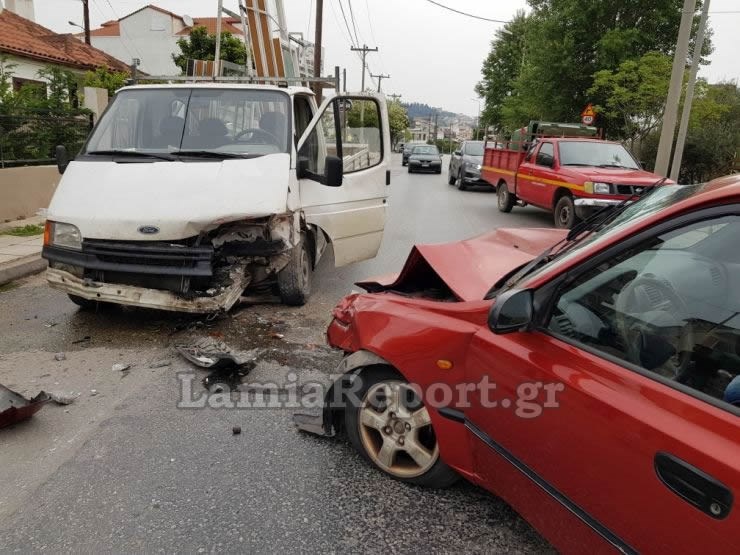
(59, 357)
(93, 392)
(63, 397)
(121, 367)
(160, 363)
(83, 340)
(15, 408)
(212, 354)
(236, 430)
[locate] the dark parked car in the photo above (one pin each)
(465, 165)
(407, 148)
(425, 158)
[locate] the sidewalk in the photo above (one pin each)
(20, 256)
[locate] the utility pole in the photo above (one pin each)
(662, 160)
(217, 57)
(380, 79)
(689, 98)
(86, 17)
(395, 97)
(317, 41)
(344, 79)
(364, 51)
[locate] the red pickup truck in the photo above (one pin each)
(569, 176)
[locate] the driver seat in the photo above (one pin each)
(274, 123)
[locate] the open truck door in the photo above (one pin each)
(343, 168)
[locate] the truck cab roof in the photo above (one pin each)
(240, 86)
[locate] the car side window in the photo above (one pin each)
(670, 306)
(546, 155)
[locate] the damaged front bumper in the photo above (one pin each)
(150, 298)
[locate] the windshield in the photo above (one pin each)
(598, 154)
(474, 149)
(425, 150)
(662, 197)
(231, 121)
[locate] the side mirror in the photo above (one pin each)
(62, 157)
(334, 171)
(511, 311)
(458, 153)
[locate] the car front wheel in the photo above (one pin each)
(392, 429)
(450, 177)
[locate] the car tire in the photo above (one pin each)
(461, 180)
(294, 281)
(506, 200)
(406, 431)
(564, 213)
(450, 178)
(410, 170)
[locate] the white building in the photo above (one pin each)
(151, 34)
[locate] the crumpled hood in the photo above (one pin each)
(469, 268)
(109, 200)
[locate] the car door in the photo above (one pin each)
(355, 129)
(538, 172)
(599, 433)
(456, 160)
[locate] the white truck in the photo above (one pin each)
(186, 195)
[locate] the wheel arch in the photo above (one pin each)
(559, 193)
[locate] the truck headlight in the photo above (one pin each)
(598, 188)
(67, 236)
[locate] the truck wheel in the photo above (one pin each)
(391, 428)
(294, 281)
(565, 212)
(505, 199)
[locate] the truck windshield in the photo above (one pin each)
(233, 122)
(597, 154)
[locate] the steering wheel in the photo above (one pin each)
(650, 294)
(256, 131)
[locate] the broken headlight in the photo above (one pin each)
(66, 236)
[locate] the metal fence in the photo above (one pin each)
(30, 140)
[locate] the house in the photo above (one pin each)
(31, 47)
(150, 34)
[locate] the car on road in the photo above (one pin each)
(407, 148)
(425, 158)
(186, 195)
(465, 165)
(588, 377)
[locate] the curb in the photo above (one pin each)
(26, 266)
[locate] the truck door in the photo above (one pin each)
(355, 129)
(534, 175)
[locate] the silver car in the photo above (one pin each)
(465, 165)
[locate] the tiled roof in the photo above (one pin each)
(25, 38)
(107, 29)
(228, 25)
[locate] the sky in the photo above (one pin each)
(432, 55)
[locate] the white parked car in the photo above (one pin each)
(186, 195)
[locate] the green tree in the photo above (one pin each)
(501, 68)
(103, 78)
(634, 95)
(398, 120)
(201, 45)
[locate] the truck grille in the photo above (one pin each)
(629, 189)
(169, 259)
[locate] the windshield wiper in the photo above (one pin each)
(577, 164)
(213, 154)
(616, 166)
(591, 224)
(132, 153)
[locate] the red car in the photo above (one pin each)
(589, 378)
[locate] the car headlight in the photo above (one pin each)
(67, 236)
(598, 188)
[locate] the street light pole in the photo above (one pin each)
(689, 98)
(674, 91)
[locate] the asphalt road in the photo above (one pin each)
(123, 469)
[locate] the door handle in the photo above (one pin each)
(694, 485)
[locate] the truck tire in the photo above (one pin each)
(506, 200)
(564, 214)
(294, 281)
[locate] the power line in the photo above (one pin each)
(466, 14)
(346, 23)
(352, 17)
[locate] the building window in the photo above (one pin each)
(38, 88)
